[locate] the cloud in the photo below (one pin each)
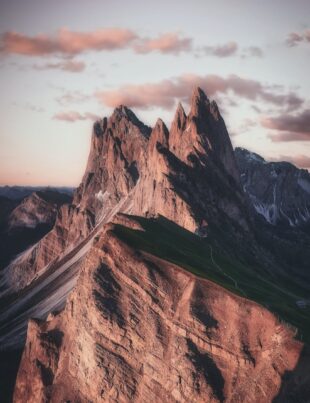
(288, 136)
(29, 106)
(73, 116)
(295, 38)
(225, 50)
(247, 125)
(166, 43)
(165, 93)
(289, 127)
(69, 97)
(230, 49)
(69, 43)
(68, 65)
(302, 161)
(66, 42)
(252, 51)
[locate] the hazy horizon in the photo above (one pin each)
(65, 64)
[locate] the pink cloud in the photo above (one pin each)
(289, 127)
(288, 137)
(165, 93)
(73, 116)
(70, 43)
(142, 96)
(66, 42)
(166, 43)
(69, 65)
(295, 38)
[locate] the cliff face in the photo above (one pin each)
(279, 191)
(138, 328)
(191, 176)
(188, 175)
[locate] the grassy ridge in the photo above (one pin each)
(203, 257)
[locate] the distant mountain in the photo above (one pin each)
(156, 283)
(278, 191)
(39, 207)
(23, 222)
(19, 192)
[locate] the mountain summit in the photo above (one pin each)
(187, 174)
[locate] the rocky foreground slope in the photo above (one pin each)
(137, 328)
(140, 325)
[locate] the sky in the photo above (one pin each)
(64, 64)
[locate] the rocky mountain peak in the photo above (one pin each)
(122, 113)
(249, 156)
(160, 134)
(37, 209)
(214, 110)
(278, 191)
(179, 117)
(199, 101)
(178, 126)
(185, 175)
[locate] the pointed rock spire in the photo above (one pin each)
(177, 128)
(179, 117)
(215, 110)
(160, 134)
(123, 112)
(198, 102)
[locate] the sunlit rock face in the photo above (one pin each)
(188, 175)
(139, 329)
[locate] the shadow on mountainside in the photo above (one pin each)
(295, 386)
(9, 364)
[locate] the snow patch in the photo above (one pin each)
(254, 157)
(268, 211)
(273, 174)
(102, 196)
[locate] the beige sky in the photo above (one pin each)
(65, 63)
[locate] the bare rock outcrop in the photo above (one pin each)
(188, 174)
(278, 191)
(139, 329)
(38, 208)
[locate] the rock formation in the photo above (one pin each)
(139, 327)
(278, 191)
(38, 208)
(135, 170)
(23, 222)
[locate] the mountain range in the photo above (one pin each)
(178, 272)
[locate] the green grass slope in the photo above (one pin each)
(205, 258)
